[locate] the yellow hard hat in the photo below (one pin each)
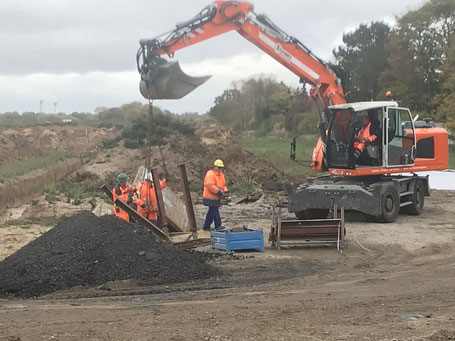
(219, 163)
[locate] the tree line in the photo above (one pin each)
(414, 59)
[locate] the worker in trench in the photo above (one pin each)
(122, 191)
(147, 205)
(214, 189)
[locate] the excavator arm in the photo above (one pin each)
(161, 79)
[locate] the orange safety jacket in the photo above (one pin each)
(121, 192)
(146, 201)
(362, 137)
(214, 187)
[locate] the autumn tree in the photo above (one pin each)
(364, 57)
(417, 49)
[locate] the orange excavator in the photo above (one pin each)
(370, 180)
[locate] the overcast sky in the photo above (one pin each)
(81, 53)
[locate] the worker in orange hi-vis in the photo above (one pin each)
(147, 205)
(214, 188)
(363, 136)
(121, 191)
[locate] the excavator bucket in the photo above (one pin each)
(169, 82)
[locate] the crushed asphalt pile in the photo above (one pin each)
(85, 250)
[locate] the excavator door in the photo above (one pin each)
(401, 145)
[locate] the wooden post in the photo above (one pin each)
(278, 235)
(162, 219)
(342, 223)
(188, 201)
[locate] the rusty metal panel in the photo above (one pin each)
(162, 219)
(188, 200)
(107, 191)
(141, 220)
(175, 209)
(318, 231)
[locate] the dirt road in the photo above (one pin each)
(403, 289)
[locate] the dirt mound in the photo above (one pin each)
(85, 250)
(20, 143)
(211, 141)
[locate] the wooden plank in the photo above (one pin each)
(182, 236)
(193, 243)
(188, 200)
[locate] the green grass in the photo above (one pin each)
(277, 151)
(15, 169)
(452, 157)
(25, 223)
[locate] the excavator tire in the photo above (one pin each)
(312, 214)
(417, 198)
(390, 204)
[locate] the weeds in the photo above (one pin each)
(25, 223)
(243, 189)
(196, 186)
(111, 143)
(18, 168)
(451, 156)
(74, 192)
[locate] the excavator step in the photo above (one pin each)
(406, 203)
(406, 193)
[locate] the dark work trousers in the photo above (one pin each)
(213, 215)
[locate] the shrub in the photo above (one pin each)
(111, 143)
(161, 126)
(196, 186)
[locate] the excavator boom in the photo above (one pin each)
(161, 79)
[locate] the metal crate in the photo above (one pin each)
(230, 240)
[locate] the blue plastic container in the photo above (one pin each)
(230, 241)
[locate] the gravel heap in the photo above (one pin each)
(88, 250)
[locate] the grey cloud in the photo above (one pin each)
(82, 36)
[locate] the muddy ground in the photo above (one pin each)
(402, 289)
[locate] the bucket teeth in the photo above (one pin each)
(169, 82)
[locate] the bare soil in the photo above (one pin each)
(19, 143)
(403, 289)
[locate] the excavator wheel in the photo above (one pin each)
(417, 199)
(312, 214)
(390, 204)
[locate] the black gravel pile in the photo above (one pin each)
(89, 250)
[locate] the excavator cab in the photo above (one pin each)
(391, 129)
